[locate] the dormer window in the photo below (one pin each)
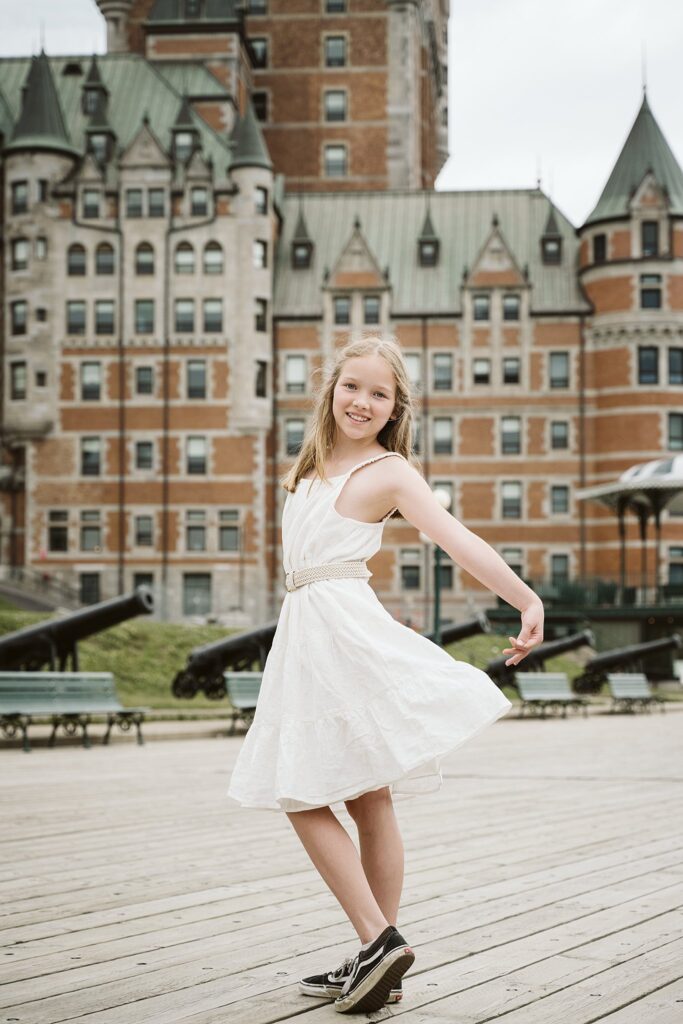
(98, 146)
(551, 250)
(649, 238)
(183, 144)
(428, 252)
(301, 255)
(90, 97)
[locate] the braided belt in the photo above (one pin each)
(329, 571)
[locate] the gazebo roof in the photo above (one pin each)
(654, 484)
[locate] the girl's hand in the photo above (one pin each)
(530, 634)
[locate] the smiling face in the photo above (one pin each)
(364, 397)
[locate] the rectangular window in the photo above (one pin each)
(144, 531)
(199, 202)
(559, 569)
(257, 7)
(559, 498)
(261, 200)
(134, 202)
(184, 316)
(91, 202)
(20, 254)
(443, 435)
(41, 247)
(183, 145)
(89, 583)
(342, 309)
(413, 361)
(19, 196)
(144, 380)
(513, 557)
(260, 254)
(558, 368)
(104, 316)
(649, 238)
(559, 434)
(91, 381)
(599, 248)
(144, 455)
(196, 455)
(75, 317)
(335, 162)
(648, 364)
(676, 366)
(511, 304)
(261, 378)
(228, 529)
(294, 435)
(335, 6)
(143, 579)
(335, 51)
(442, 365)
(511, 493)
(196, 378)
(481, 371)
(650, 291)
(58, 530)
(676, 431)
(42, 190)
(213, 315)
(410, 559)
(335, 105)
(511, 368)
(19, 315)
(196, 593)
(260, 315)
(195, 530)
(144, 316)
(371, 309)
(511, 435)
(91, 534)
(259, 102)
(259, 49)
(481, 305)
(156, 206)
(551, 250)
(295, 374)
(90, 456)
(18, 380)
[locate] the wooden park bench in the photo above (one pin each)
(67, 698)
(243, 690)
(631, 688)
(540, 690)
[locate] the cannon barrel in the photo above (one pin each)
(45, 643)
(451, 633)
(206, 664)
(595, 671)
(535, 660)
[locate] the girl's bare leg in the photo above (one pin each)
(334, 854)
(381, 848)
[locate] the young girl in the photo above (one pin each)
(355, 708)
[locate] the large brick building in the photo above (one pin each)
(170, 281)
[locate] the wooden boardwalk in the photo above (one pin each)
(544, 884)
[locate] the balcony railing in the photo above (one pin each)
(598, 592)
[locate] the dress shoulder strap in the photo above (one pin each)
(374, 458)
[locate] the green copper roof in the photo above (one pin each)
(176, 11)
(249, 145)
(40, 124)
(134, 86)
(391, 223)
(645, 150)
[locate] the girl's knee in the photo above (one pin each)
(368, 804)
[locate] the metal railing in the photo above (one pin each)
(598, 592)
(37, 583)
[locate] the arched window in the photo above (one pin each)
(104, 259)
(75, 261)
(184, 258)
(213, 258)
(144, 259)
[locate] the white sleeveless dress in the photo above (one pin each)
(351, 700)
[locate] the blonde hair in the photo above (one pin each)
(397, 433)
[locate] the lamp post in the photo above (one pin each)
(444, 499)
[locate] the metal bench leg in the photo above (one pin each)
(110, 722)
(9, 724)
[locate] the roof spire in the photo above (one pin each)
(41, 123)
(250, 148)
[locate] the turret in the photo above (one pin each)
(116, 14)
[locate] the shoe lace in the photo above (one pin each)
(343, 968)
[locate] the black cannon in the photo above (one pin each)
(451, 633)
(53, 642)
(621, 659)
(535, 660)
(206, 664)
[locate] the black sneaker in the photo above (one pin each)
(374, 972)
(329, 985)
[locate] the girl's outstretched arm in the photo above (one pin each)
(413, 497)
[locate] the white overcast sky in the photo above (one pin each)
(547, 87)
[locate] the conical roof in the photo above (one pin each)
(184, 117)
(645, 150)
(551, 229)
(250, 148)
(41, 123)
(301, 231)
